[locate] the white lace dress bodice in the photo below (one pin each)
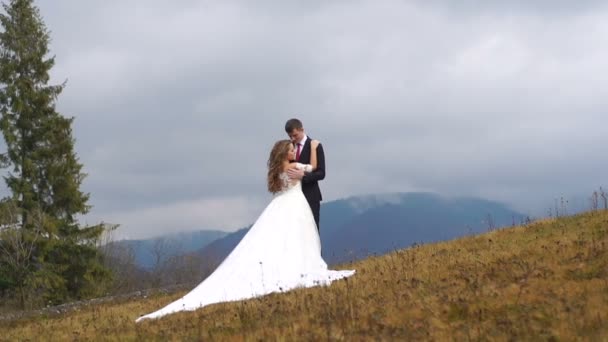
(289, 184)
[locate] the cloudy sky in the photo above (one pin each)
(177, 103)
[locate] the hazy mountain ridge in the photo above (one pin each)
(412, 218)
(358, 226)
(171, 244)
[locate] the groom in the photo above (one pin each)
(310, 180)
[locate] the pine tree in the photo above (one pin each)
(45, 174)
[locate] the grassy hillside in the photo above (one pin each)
(547, 281)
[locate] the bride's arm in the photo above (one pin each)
(313, 154)
(319, 172)
(313, 158)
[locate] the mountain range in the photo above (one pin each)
(353, 228)
(356, 227)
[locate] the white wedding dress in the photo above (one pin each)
(281, 251)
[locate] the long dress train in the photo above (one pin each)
(281, 251)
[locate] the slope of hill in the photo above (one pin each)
(547, 280)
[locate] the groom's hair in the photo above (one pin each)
(292, 124)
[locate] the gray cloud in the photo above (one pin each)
(177, 105)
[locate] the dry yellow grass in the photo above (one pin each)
(544, 281)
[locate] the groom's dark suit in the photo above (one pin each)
(310, 182)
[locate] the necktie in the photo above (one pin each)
(298, 152)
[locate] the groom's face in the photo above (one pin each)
(296, 135)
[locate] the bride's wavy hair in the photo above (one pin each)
(275, 164)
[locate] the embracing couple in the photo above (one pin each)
(282, 250)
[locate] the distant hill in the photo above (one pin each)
(387, 222)
(171, 244)
(355, 227)
(219, 249)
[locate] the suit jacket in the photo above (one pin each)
(310, 182)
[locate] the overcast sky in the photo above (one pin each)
(177, 103)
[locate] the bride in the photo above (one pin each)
(281, 251)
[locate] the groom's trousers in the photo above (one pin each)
(316, 208)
